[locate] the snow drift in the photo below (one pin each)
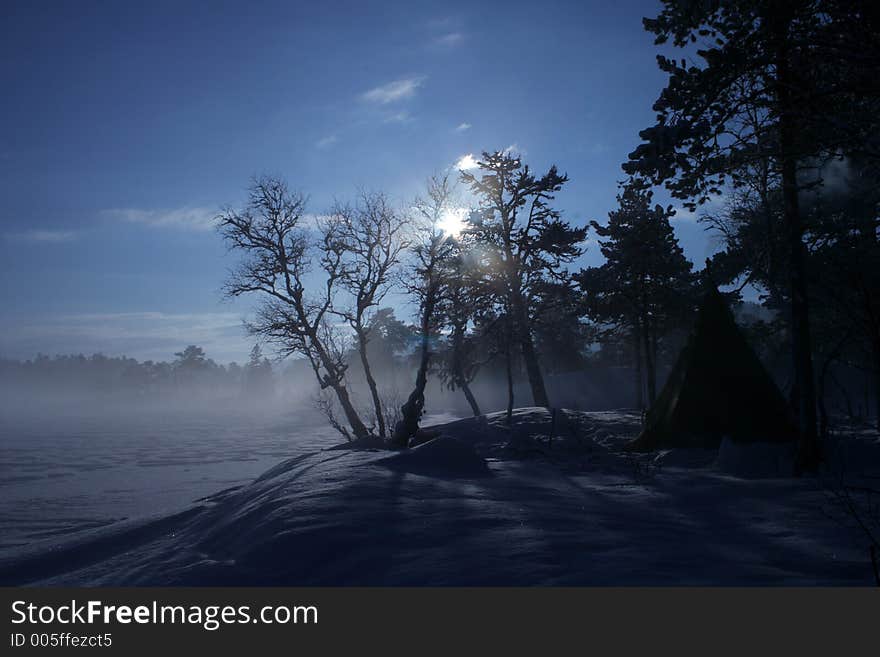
(481, 504)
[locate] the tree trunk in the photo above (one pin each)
(650, 365)
(354, 421)
(808, 453)
(640, 396)
(471, 400)
(808, 449)
(508, 361)
(458, 369)
(824, 373)
(877, 383)
(654, 364)
(530, 357)
(371, 382)
(850, 413)
(823, 408)
(411, 411)
(333, 379)
(536, 379)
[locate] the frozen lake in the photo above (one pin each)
(65, 472)
(70, 471)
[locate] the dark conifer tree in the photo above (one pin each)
(523, 240)
(772, 79)
(645, 287)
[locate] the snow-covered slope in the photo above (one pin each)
(481, 504)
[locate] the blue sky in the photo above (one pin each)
(126, 126)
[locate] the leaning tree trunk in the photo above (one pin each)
(530, 356)
(354, 421)
(334, 380)
(471, 400)
(411, 411)
(371, 382)
(808, 453)
(458, 369)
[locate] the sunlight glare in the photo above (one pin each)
(466, 162)
(452, 221)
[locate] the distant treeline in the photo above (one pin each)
(588, 367)
(191, 374)
(572, 346)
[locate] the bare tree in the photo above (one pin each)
(426, 281)
(277, 250)
(371, 233)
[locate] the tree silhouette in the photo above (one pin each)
(258, 375)
(772, 78)
(277, 250)
(370, 233)
(426, 281)
(191, 358)
(459, 311)
(645, 286)
(522, 240)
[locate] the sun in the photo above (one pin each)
(452, 221)
(466, 162)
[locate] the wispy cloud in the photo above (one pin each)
(394, 91)
(449, 40)
(514, 149)
(398, 117)
(50, 236)
(466, 162)
(326, 142)
(138, 317)
(187, 218)
(462, 127)
(311, 221)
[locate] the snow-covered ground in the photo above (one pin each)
(484, 504)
